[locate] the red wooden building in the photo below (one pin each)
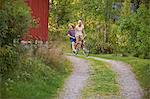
(39, 11)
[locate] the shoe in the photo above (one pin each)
(74, 52)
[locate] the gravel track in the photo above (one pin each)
(77, 81)
(130, 88)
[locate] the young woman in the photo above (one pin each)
(71, 34)
(79, 31)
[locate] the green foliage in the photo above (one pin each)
(56, 33)
(15, 20)
(8, 61)
(126, 11)
(118, 40)
(136, 28)
(33, 80)
(60, 15)
(61, 10)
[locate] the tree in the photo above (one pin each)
(61, 9)
(126, 11)
(107, 13)
(136, 27)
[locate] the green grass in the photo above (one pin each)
(39, 82)
(102, 81)
(141, 68)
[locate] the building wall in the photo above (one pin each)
(39, 11)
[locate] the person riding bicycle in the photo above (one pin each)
(79, 32)
(80, 39)
(71, 34)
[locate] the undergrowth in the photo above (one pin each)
(34, 77)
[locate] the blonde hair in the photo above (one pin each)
(80, 21)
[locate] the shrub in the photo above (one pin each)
(15, 20)
(9, 60)
(104, 48)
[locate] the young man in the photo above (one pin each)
(71, 34)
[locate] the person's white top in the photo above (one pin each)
(79, 30)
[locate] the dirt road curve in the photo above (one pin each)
(130, 88)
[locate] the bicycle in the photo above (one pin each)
(82, 46)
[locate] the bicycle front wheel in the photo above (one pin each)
(86, 52)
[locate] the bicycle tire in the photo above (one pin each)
(86, 52)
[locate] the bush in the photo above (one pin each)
(104, 48)
(15, 20)
(9, 61)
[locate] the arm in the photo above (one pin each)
(83, 31)
(71, 36)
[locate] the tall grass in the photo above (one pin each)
(37, 77)
(54, 58)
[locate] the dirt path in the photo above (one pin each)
(77, 81)
(130, 88)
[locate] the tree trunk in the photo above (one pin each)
(106, 33)
(108, 8)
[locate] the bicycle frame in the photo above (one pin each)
(81, 46)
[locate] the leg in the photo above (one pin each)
(73, 46)
(82, 41)
(81, 37)
(77, 41)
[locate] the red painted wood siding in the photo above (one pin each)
(39, 10)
